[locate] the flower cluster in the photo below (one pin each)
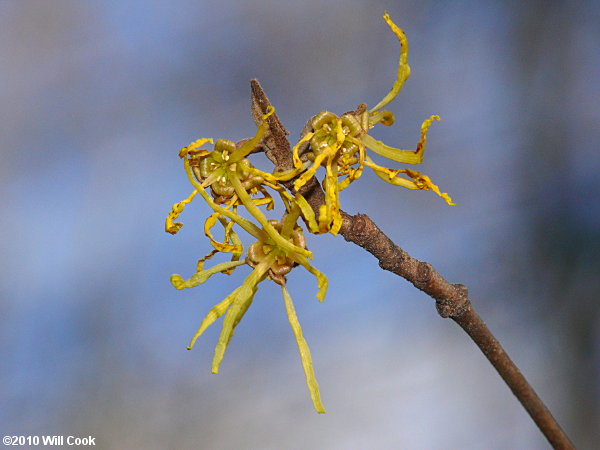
(226, 180)
(339, 144)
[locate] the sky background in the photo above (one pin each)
(97, 100)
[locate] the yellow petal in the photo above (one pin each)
(326, 153)
(297, 162)
(424, 182)
(234, 315)
(220, 246)
(322, 281)
(289, 221)
(216, 311)
(418, 181)
(193, 148)
(201, 261)
(277, 176)
(231, 235)
(353, 174)
(203, 275)
(176, 210)
(332, 219)
(403, 67)
(307, 213)
(384, 117)
(244, 223)
(249, 145)
(308, 174)
(395, 154)
(307, 365)
(258, 215)
(241, 302)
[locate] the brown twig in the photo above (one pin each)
(452, 300)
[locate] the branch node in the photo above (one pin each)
(464, 291)
(456, 305)
(423, 276)
(359, 225)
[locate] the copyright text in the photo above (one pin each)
(49, 440)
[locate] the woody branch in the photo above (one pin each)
(452, 300)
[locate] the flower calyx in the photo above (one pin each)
(214, 169)
(281, 262)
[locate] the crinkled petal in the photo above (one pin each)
(232, 236)
(331, 220)
(266, 200)
(308, 174)
(297, 161)
(326, 153)
(174, 227)
(384, 117)
(418, 181)
(224, 246)
(403, 67)
(354, 173)
(194, 148)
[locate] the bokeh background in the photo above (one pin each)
(98, 98)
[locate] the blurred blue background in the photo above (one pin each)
(97, 100)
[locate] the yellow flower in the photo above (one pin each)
(339, 144)
(233, 182)
(279, 247)
(227, 181)
(214, 167)
(268, 260)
